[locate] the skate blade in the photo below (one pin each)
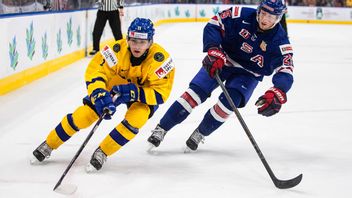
(66, 189)
(187, 150)
(151, 149)
(35, 162)
(90, 169)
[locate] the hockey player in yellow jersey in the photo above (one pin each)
(134, 71)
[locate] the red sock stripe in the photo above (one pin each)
(189, 99)
(220, 112)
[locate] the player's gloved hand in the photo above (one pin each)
(214, 61)
(103, 103)
(270, 103)
(125, 93)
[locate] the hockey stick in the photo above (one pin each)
(281, 184)
(70, 189)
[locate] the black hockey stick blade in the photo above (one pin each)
(285, 184)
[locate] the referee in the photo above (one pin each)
(109, 10)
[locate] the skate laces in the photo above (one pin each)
(100, 156)
(158, 133)
(197, 137)
(45, 149)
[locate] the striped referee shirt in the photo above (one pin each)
(111, 5)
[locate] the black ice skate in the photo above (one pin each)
(194, 140)
(157, 136)
(93, 52)
(97, 161)
(43, 151)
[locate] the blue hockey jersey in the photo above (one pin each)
(248, 49)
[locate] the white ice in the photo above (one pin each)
(311, 135)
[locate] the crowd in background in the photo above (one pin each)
(21, 6)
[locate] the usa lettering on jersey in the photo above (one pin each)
(245, 33)
(246, 48)
(259, 59)
(165, 68)
(109, 56)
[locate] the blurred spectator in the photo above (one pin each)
(321, 3)
(46, 4)
(310, 2)
(59, 4)
(338, 3)
(75, 4)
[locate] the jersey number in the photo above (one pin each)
(259, 59)
(288, 60)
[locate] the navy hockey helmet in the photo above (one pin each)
(274, 7)
(141, 28)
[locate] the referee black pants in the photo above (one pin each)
(114, 21)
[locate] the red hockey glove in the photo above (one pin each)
(214, 61)
(270, 103)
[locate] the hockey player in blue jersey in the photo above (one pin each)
(243, 45)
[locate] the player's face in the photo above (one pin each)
(138, 46)
(266, 20)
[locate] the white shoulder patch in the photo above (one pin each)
(286, 49)
(165, 68)
(109, 56)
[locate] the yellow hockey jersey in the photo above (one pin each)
(112, 66)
